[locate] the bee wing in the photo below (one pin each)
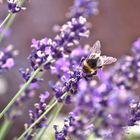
(108, 60)
(95, 50)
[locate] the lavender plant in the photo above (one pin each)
(97, 104)
(104, 103)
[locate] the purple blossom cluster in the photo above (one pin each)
(69, 34)
(108, 107)
(78, 124)
(84, 8)
(114, 113)
(54, 51)
(67, 85)
(14, 6)
(48, 49)
(128, 71)
(134, 113)
(7, 58)
(26, 74)
(36, 113)
(69, 74)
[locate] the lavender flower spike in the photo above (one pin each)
(70, 34)
(35, 114)
(14, 6)
(84, 8)
(134, 113)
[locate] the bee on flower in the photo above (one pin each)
(95, 61)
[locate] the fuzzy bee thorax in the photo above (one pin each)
(89, 67)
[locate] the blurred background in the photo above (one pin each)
(117, 25)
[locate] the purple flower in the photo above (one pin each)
(26, 74)
(78, 125)
(51, 50)
(79, 51)
(14, 7)
(107, 106)
(72, 74)
(61, 64)
(136, 46)
(126, 72)
(118, 103)
(101, 111)
(44, 96)
(7, 58)
(38, 43)
(84, 8)
(36, 113)
(82, 86)
(68, 85)
(134, 113)
(60, 135)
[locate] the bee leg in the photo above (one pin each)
(86, 78)
(94, 73)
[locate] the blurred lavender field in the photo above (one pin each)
(117, 25)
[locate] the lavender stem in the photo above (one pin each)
(51, 118)
(4, 128)
(27, 130)
(20, 92)
(5, 20)
(8, 21)
(49, 109)
(7, 25)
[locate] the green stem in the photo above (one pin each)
(90, 137)
(5, 20)
(49, 109)
(35, 73)
(8, 24)
(51, 119)
(20, 92)
(55, 113)
(40, 132)
(4, 128)
(51, 101)
(28, 129)
(8, 21)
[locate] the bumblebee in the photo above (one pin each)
(95, 61)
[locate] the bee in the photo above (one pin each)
(95, 61)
